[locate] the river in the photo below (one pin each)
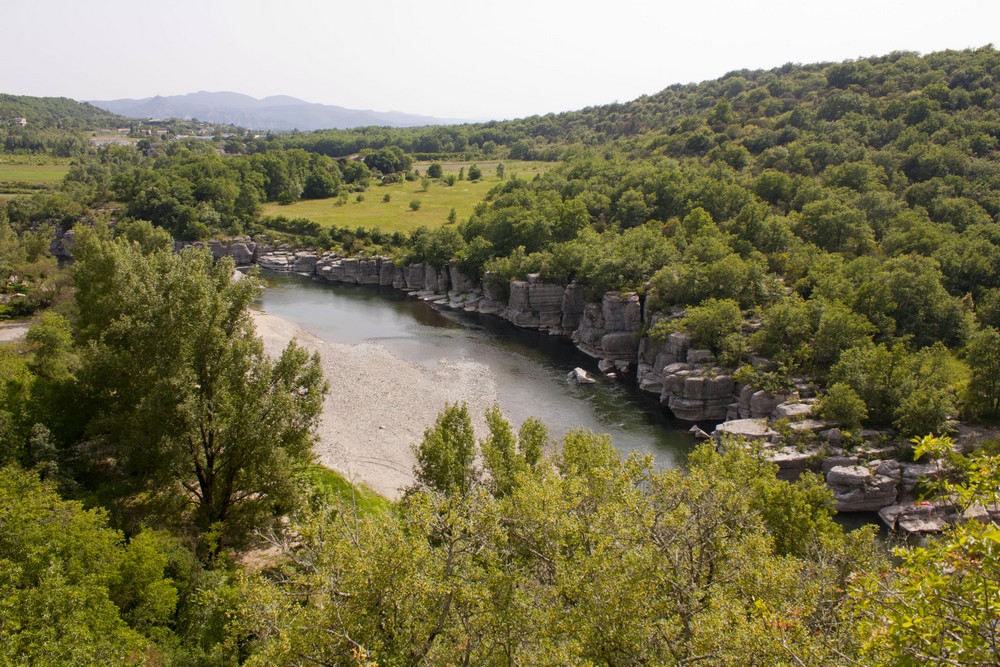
(529, 368)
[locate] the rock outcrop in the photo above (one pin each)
(863, 488)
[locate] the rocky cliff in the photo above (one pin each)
(688, 381)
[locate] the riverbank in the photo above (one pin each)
(379, 405)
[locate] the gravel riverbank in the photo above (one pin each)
(379, 404)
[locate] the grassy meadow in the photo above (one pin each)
(24, 174)
(395, 215)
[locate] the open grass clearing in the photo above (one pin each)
(359, 495)
(395, 215)
(32, 173)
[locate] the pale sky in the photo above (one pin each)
(470, 59)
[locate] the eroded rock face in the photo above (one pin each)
(572, 307)
(241, 250)
(610, 330)
(697, 394)
(459, 281)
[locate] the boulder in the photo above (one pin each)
(914, 518)
(858, 489)
(275, 261)
(304, 262)
(791, 462)
(413, 277)
(792, 411)
(698, 395)
(750, 429)
(700, 357)
(807, 426)
(763, 403)
(546, 300)
(839, 462)
(619, 345)
(698, 433)
(912, 474)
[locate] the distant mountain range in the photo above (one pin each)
(278, 112)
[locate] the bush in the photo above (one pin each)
(414, 204)
(711, 322)
(842, 404)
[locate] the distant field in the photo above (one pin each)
(396, 215)
(22, 175)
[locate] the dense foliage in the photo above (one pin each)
(838, 219)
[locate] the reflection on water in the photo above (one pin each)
(529, 368)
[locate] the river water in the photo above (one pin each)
(529, 368)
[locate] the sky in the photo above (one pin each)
(470, 59)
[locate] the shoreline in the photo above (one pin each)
(379, 405)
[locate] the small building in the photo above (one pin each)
(20, 120)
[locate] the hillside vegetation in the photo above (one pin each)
(840, 220)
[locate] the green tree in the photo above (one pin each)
(475, 173)
(446, 455)
(841, 404)
(68, 582)
(196, 416)
(434, 170)
(983, 357)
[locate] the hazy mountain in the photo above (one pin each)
(278, 112)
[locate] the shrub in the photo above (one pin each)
(414, 204)
(842, 404)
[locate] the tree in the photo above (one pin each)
(425, 183)
(389, 160)
(445, 455)
(452, 217)
(475, 173)
(500, 170)
(415, 204)
(983, 357)
(841, 404)
(201, 423)
(435, 170)
(68, 583)
(835, 227)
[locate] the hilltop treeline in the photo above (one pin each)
(55, 125)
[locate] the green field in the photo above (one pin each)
(395, 215)
(24, 175)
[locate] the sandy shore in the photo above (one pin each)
(380, 404)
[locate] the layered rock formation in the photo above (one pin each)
(687, 380)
